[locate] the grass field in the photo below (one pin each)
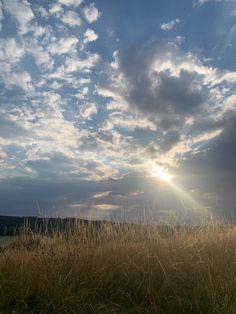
(121, 269)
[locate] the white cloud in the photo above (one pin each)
(91, 13)
(37, 30)
(42, 11)
(179, 40)
(51, 131)
(131, 121)
(168, 26)
(21, 79)
(42, 58)
(21, 11)
(82, 93)
(89, 36)
(56, 8)
(201, 2)
(101, 194)
(63, 45)
(10, 50)
(56, 85)
(73, 65)
(87, 110)
(74, 3)
(84, 81)
(71, 18)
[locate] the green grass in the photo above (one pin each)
(121, 269)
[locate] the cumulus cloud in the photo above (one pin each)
(68, 135)
(201, 2)
(76, 64)
(43, 13)
(10, 128)
(87, 110)
(11, 53)
(168, 26)
(21, 79)
(21, 12)
(71, 18)
(91, 13)
(41, 56)
(10, 50)
(89, 36)
(56, 9)
(63, 45)
(165, 95)
(74, 3)
(172, 88)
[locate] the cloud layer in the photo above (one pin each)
(87, 114)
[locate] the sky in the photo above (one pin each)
(118, 109)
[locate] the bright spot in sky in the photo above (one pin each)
(162, 174)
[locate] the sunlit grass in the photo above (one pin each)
(121, 269)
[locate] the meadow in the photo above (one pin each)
(120, 268)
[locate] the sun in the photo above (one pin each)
(162, 174)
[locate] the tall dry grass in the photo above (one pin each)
(121, 269)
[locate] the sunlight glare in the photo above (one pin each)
(162, 174)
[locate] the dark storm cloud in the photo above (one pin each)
(132, 193)
(55, 166)
(160, 92)
(214, 170)
(158, 80)
(180, 95)
(26, 196)
(220, 154)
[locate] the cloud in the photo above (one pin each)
(43, 13)
(76, 64)
(71, 18)
(43, 129)
(101, 194)
(74, 197)
(201, 2)
(168, 26)
(213, 171)
(91, 13)
(54, 166)
(81, 130)
(10, 50)
(156, 81)
(41, 56)
(56, 9)
(89, 36)
(21, 12)
(74, 3)
(63, 45)
(171, 89)
(1, 15)
(11, 129)
(11, 53)
(21, 79)
(88, 110)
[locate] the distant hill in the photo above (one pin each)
(10, 225)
